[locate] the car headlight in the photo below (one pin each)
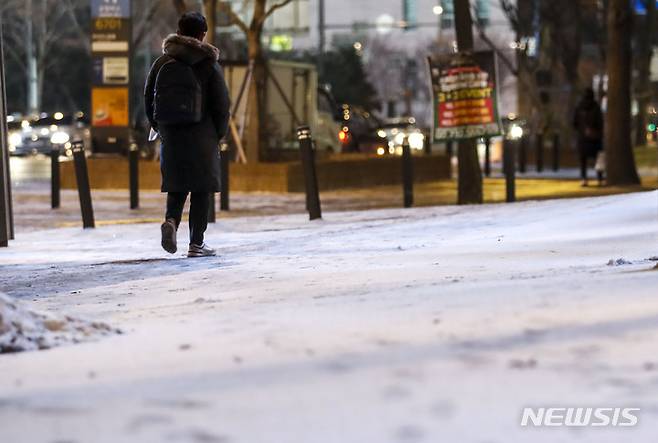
(399, 138)
(15, 139)
(59, 138)
(416, 140)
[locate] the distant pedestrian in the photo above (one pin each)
(187, 103)
(588, 122)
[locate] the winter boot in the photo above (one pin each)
(168, 230)
(201, 251)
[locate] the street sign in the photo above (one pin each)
(116, 71)
(465, 96)
(110, 8)
(109, 107)
(111, 37)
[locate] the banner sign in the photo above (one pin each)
(110, 8)
(465, 96)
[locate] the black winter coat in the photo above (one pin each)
(189, 157)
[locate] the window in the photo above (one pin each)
(448, 16)
(482, 8)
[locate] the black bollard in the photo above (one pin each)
(224, 161)
(133, 171)
(310, 174)
(556, 152)
(487, 157)
(84, 191)
(509, 169)
(407, 175)
(54, 178)
(523, 154)
(539, 155)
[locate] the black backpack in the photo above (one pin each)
(178, 94)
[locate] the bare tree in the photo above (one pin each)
(620, 162)
(38, 26)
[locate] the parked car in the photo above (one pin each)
(15, 134)
(39, 135)
(360, 130)
(396, 130)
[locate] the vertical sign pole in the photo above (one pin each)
(6, 222)
(111, 48)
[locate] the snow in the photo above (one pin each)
(422, 325)
(23, 330)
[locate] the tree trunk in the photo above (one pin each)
(620, 162)
(210, 9)
(255, 147)
(470, 174)
(644, 35)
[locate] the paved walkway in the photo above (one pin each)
(32, 200)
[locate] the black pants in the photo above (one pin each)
(199, 207)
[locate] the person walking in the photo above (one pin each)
(588, 122)
(187, 104)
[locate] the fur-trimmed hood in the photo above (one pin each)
(188, 49)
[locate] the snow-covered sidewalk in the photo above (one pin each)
(423, 325)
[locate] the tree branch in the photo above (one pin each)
(273, 8)
(144, 23)
(237, 21)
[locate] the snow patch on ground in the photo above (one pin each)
(24, 330)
